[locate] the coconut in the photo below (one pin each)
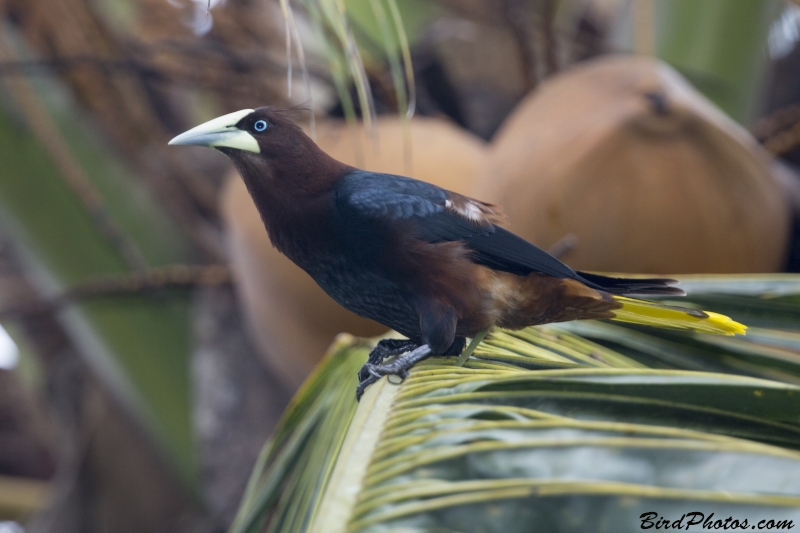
(650, 176)
(291, 319)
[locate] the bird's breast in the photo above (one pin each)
(365, 291)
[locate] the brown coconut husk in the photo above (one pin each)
(648, 175)
(291, 319)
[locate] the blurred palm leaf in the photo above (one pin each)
(566, 426)
(139, 345)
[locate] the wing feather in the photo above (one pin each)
(443, 216)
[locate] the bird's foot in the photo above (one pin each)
(390, 347)
(386, 348)
(372, 372)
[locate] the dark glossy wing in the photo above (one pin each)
(440, 216)
(387, 196)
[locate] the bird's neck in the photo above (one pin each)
(295, 201)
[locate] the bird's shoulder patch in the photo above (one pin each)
(475, 211)
(386, 195)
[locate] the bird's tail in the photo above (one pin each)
(670, 316)
(632, 286)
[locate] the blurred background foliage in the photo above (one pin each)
(160, 336)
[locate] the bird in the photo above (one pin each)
(434, 265)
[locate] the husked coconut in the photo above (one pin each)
(650, 176)
(291, 319)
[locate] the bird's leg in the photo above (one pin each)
(398, 367)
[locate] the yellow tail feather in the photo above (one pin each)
(669, 316)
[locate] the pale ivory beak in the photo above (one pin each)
(220, 132)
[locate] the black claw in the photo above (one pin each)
(363, 386)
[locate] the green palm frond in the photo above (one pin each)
(582, 426)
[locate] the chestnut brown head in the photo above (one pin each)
(267, 147)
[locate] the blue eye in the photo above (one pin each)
(260, 125)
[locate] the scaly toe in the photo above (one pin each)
(376, 371)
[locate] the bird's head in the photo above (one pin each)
(266, 131)
(267, 147)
